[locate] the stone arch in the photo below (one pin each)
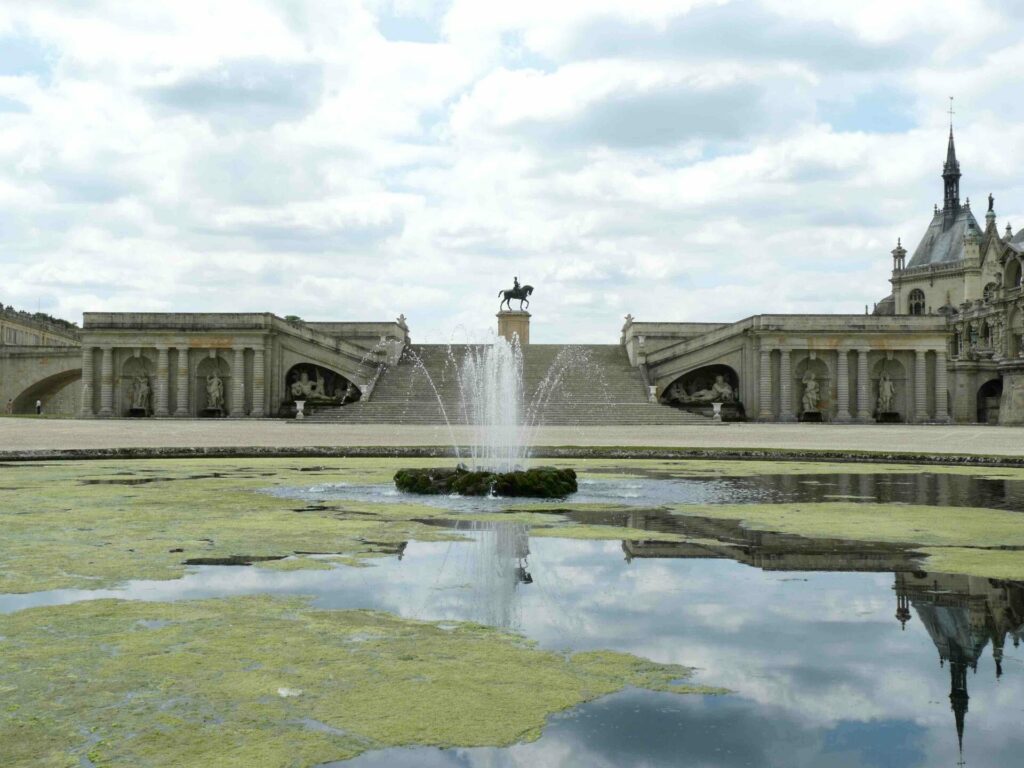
(988, 397)
(134, 367)
(694, 390)
(206, 368)
(1012, 273)
(897, 374)
(45, 390)
(813, 366)
(319, 384)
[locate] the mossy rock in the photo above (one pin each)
(539, 482)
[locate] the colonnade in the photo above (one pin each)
(862, 407)
(161, 386)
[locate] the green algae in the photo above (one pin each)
(238, 681)
(92, 525)
(970, 540)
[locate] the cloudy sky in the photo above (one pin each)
(338, 159)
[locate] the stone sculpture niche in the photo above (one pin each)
(705, 391)
(317, 386)
(813, 390)
(136, 386)
(889, 389)
(213, 377)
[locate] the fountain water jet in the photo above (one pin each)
(490, 381)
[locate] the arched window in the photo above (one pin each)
(989, 293)
(917, 302)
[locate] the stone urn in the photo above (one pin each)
(716, 409)
(299, 409)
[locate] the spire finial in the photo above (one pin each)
(951, 113)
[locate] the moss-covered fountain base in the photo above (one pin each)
(539, 482)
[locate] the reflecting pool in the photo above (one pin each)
(837, 653)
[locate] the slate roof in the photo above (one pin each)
(940, 246)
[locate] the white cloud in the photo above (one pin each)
(343, 159)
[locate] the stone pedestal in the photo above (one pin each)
(514, 324)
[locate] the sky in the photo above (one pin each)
(678, 160)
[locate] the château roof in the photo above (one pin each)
(942, 246)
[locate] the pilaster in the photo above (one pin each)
(107, 382)
(258, 383)
(843, 385)
(863, 386)
(184, 380)
(163, 381)
(238, 383)
(88, 376)
(941, 387)
(920, 386)
(765, 391)
(786, 386)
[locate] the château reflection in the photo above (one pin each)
(963, 615)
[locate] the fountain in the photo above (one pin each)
(490, 382)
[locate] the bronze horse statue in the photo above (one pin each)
(520, 293)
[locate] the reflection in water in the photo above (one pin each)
(499, 568)
(962, 614)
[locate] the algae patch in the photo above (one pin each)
(199, 683)
(973, 541)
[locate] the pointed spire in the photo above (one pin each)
(950, 177)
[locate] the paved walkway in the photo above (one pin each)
(26, 434)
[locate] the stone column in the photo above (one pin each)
(258, 382)
(786, 387)
(107, 382)
(765, 392)
(843, 385)
(238, 383)
(184, 384)
(941, 387)
(920, 390)
(88, 374)
(163, 381)
(863, 387)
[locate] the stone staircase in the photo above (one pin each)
(590, 384)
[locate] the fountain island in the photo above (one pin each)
(490, 382)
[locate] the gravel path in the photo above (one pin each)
(29, 434)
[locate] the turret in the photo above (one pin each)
(899, 256)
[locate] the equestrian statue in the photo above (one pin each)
(517, 291)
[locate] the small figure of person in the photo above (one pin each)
(39, 407)
(9, 408)
(515, 284)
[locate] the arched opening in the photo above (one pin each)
(49, 390)
(915, 301)
(1012, 273)
(700, 389)
(986, 335)
(989, 395)
(318, 386)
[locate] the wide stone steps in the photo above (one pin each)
(588, 385)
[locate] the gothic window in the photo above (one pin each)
(989, 293)
(917, 302)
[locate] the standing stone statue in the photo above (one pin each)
(886, 394)
(140, 394)
(214, 392)
(811, 394)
